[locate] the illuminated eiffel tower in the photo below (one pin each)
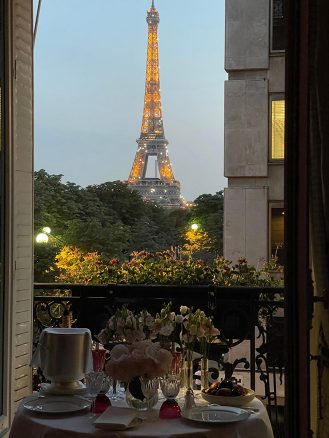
(163, 189)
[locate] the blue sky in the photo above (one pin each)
(90, 60)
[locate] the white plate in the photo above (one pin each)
(216, 414)
(57, 404)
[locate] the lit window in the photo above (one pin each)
(277, 129)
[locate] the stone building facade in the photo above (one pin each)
(254, 130)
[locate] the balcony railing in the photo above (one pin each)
(250, 321)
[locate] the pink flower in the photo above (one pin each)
(143, 358)
(215, 331)
(119, 350)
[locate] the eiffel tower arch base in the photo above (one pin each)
(159, 192)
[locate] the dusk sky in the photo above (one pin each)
(90, 58)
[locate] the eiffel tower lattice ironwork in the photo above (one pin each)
(163, 189)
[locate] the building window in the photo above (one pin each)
(278, 28)
(277, 232)
(277, 128)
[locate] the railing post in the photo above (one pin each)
(252, 325)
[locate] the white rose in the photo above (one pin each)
(167, 329)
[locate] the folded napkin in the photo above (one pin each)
(116, 418)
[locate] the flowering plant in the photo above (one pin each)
(197, 326)
(186, 326)
(138, 354)
(144, 358)
(126, 326)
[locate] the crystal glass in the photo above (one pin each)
(170, 386)
(149, 389)
(94, 382)
(116, 392)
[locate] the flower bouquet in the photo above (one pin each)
(144, 360)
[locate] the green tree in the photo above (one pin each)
(208, 211)
(108, 218)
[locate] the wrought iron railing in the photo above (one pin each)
(250, 321)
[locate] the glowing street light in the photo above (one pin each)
(194, 227)
(45, 236)
(42, 238)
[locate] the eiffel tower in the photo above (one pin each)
(163, 189)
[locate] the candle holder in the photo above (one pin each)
(170, 386)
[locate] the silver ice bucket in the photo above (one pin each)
(64, 356)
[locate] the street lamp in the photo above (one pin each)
(45, 236)
(194, 227)
(42, 238)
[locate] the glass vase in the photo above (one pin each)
(188, 370)
(136, 399)
(204, 374)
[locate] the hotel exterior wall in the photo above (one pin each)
(245, 219)
(254, 76)
(274, 182)
(246, 34)
(246, 128)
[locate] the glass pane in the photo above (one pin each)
(277, 234)
(278, 30)
(277, 129)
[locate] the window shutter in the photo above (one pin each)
(21, 195)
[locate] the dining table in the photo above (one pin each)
(28, 424)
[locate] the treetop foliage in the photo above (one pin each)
(114, 221)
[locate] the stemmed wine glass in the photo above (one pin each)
(149, 388)
(94, 383)
(170, 386)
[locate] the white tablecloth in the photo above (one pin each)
(34, 425)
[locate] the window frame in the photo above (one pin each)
(274, 51)
(272, 205)
(274, 97)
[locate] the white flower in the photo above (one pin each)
(103, 336)
(192, 329)
(183, 310)
(149, 321)
(167, 329)
(179, 319)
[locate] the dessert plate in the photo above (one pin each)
(57, 404)
(216, 414)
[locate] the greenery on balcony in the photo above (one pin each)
(108, 234)
(162, 268)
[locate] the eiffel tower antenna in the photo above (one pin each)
(163, 190)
